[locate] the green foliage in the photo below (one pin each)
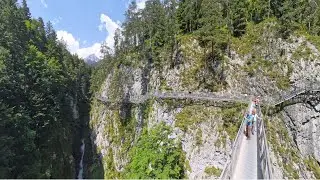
(221, 140)
(313, 166)
(213, 171)
(239, 16)
(192, 115)
(188, 15)
(277, 69)
(95, 171)
(255, 36)
(303, 53)
(213, 28)
(232, 118)
(100, 73)
(39, 82)
(282, 145)
(187, 166)
(147, 108)
(291, 172)
(110, 172)
(313, 39)
(156, 156)
(199, 137)
(164, 85)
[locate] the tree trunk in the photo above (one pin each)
(212, 47)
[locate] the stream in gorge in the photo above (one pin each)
(82, 148)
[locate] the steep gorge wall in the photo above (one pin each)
(259, 63)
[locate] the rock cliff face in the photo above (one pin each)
(303, 121)
(117, 128)
(256, 65)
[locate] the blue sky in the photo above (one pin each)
(83, 24)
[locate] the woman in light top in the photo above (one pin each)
(254, 119)
(249, 119)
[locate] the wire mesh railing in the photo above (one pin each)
(263, 151)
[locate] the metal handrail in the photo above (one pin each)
(231, 163)
(291, 94)
(263, 150)
(179, 95)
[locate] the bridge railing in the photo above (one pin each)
(263, 151)
(232, 161)
(298, 90)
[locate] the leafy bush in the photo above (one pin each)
(213, 171)
(156, 156)
(232, 118)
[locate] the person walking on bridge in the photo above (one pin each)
(249, 119)
(254, 119)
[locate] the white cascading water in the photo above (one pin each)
(80, 174)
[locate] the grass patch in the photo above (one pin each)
(315, 40)
(187, 166)
(282, 145)
(277, 70)
(199, 137)
(221, 141)
(232, 118)
(255, 36)
(192, 115)
(303, 52)
(313, 166)
(213, 171)
(256, 40)
(291, 172)
(164, 85)
(193, 55)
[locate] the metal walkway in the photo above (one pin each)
(178, 95)
(247, 165)
(312, 87)
(249, 158)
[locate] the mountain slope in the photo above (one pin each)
(92, 60)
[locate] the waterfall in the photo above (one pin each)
(80, 174)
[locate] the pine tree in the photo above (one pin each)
(171, 23)
(187, 15)
(130, 25)
(25, 10)
(38, 77)
(117, 41)
(259, 10)
(239, 17)
(212, 23)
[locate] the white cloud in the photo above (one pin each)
(44, 3)
(111, 26)
(73, 44)
(94, 49)
(141, 4)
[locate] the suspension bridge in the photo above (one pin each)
(248, 159)
(177, 95)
